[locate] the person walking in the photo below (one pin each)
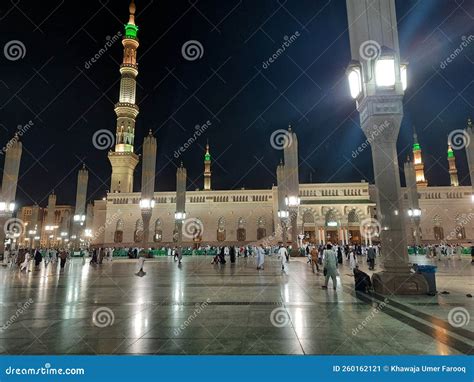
(330, 266)
(26, 263)
(352, 260)
(371, 258)
(260, 257)
(314, 259)
(232, 254)
(63, 257)
(283, 255)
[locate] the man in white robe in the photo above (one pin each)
(260, 257)
(283, 255)
(140, 265)
(26, 264)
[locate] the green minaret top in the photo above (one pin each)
(131, 29)
(207, 156)
(450, 151)
(416, 144)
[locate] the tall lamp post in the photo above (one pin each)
(282, 213)
(469, 147)
(147, 202)
(377, 81)
(414, 211)
(80, 211)
(11, 169)
(291, 176)
(180, 214)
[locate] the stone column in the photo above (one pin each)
(375, 53)
(80, 211)
(413, 203)
(11, 169)
(290, 153)
(148, 184)
(180, 215)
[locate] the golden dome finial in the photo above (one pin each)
(132, 10)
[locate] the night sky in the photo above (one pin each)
(306, 86)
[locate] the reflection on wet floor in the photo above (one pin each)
(208, 309)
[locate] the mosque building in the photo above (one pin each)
(290, 211)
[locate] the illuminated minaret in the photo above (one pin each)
(418, 162)
(207, 169)
(123, 159)
(453, 171)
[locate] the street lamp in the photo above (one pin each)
(414, 212)
(7, 207)
(283, 214)
(79, 219)
(146, 204)
(179, 216)
(292, 201)
(355, 79)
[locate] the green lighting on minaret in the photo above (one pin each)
(450, 152)
(131, 31)
(207, 156)
(416, 146)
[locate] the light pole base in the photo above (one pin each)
(395, 283)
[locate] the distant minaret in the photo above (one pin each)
(207, 169)
(123, 159)
(453, 171)
(470, 153)
(418, 162)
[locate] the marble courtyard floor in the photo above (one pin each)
(200, 308)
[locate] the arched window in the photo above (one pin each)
(138, 234)
(241, 233)
(221, 229)
(158, 236)
(118, 234)
(353, 218)
(261, 230)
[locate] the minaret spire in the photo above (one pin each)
(418, 162)
(453, 171)
(207, 169)
(123, 159)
